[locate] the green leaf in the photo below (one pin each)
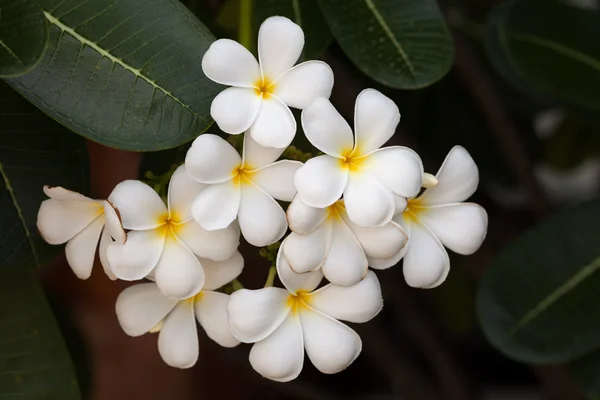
(404, 44)
(537, 301)
(126, 73)
(23, 36)
(585, 373)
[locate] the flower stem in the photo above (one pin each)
(271, 277)
(245, 24)
(236, 285)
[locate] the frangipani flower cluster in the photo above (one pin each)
(358, 205)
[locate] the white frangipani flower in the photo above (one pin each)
(243, 187)
(79, 221)
(260, 94)
(356, 167)
(326, 238)
(283, 323)
(143, 308)
(164, 240)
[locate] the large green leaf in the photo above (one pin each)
(538, 300)
(404, 44)
(23, 36)
(125, 73)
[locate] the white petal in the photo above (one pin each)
(216, 207)
(105, 240)
(211, 313)
(460, 227)
(304, 83)
(277, 179)
(60, 193)
(331, 346)
(60, 220)
(81, 250)
(307, 252)
(235, 109)
(294, 282)
(367, 201)
(229, 63)
(178, 274)
(256, 156)
(215, 245)
(302, 218)
(326, 129)
(385, 263)
(400, 204)
(140, 307)
(220, 273)
(458, 178)
(346, 263)
(358, 303)
(321, 181)
(426, 263)
(138, 256)
(211, 159)
(398, 168)
(183, 190)
(280, 356)
(255, 314)
(381, 242)
(178, 339)
(280, 43)
(275, 125)
(139, 206)
(113, 224)
(262, 220)
(375, 120)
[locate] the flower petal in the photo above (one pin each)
(375, 120)
(293, 281)
(398, 168)
(211, 159)
(140, 207)
(220, 273)
(140, 307)
(229, 63)
(211, 313)
(255, 314)
(458, 178)
(346, 263)
(138, 256)
(381, 242)
(331, 346)
(216, 245)
(426, 263)
(358, 303)
(277, 179)
(280, 43)
(326, 129)
(183, 190)
(262, 220)
(105, 240)
(385, 263)
(308, 252)
(216, 207)
(256, 156)
(400, 204)
(368, 202)
(304, 83)
(113, 224)
(235, 109)
(81, 250)
(321, 181)
(60, 220)
(302, 218)
(178, 339)
(60, 193)
(275, 125)
(280, 356)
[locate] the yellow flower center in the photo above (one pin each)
(412, 211)
(298, 301)
(336, 210)
(352, 160)
(169, 225)
(242, 174)
(264, 87)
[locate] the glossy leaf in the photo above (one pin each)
(124, 73)
(404, 44)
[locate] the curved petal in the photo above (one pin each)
(256, 156)
(178, 339)
(220, 273)
(216, 245)
(275, 125)
(346, 263)
(458, 178)
(280, 43)
(294, 282)
(138, 256)
(262, 220)
(307, 252)
(140, 307)
(368, 202)
(321, 181)
(400, 204)
(358, 303)
(183, 190)
(105, 240)
(326, 129)
(112, 221)
(302, 218)
(330, 345)
(212, 160)
(81, 250)
(398, 168)
(280, 356)
(216, 207)
(375, 120)
(229, 63)
(140, 207)
(211, 313)
(304, 83)
(255, 314)
(426, 263)
(381, 242)
(60, 193)
(385, 263)
(235, 109)
(277, 179)
(59, 221)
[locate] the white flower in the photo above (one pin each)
(243, 187)
(143, 308)
(356, 167)
(259, 99)
(283, 323)
(79, 221)
(325, 238)
(164, 240)
(439, 218)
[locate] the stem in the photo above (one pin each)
(245, 24)
(271, 277)
(236, 285)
